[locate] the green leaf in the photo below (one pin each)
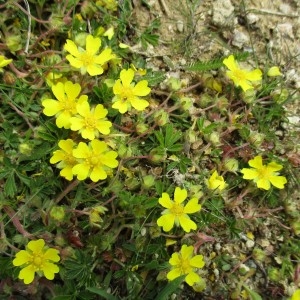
(170, 288)
(154, 78)
(10, 187)
(253, 295)
(102, 293)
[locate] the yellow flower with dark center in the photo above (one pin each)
(65, 158)
(65, 106)
(176, 213)
(264, 175)
(185, 263)
(127, 94)
(87, 60)
(37, 259)
(95, 160)
(216, 182)
(89, 122)
(241, 77)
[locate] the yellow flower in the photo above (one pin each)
(89, 122)
(65, 158)
(95, 160)
(274, 71)
(176, 212)
(87, 60)
(296, 295)
(65, 106)
(241, 77)
(184, 263)
(4, 62)
(127, 93)
(37, 258)
(216, 182)
(264, 175)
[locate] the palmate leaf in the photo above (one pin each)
(167, 139)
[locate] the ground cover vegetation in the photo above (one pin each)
(119, 181)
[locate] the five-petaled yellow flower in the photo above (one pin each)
(176, 212)
(127, 94)
(65, 106)
(95, 160)
(241, 77)
(4, 62)
(89, 122)
(263, 175)
(185, 263)
(216, 182)
(86, 59)
(37, 258)
(65, 158)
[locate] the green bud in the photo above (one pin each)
(206, 100)
(80, 39)
(199, 286)
(174, 84)
(148, 181)
(161, 117)
(124, 151)
(186, 103)
(14, 42)
(231, 165)
(214, 138)
(295, 224)
(157, 155)
(256, 138)
(57, 213)
(195, 191)
(249, 96)
(59, 240)
(25, 149)
(280, 96)
(9, 78)
(259, 254)
(132, 183)
(291, 208)
(141, 128)
(274, 274)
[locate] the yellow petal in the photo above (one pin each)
(52, 254)
(97, 174)
(83, 109)
(278, 181)
(186, 252)
(186, 223)
(230, 63)
(109, 33)
(139, 104)
(166, 222)
(99, 146)
(22, 257)
(27, 274)
(81, 170)
(63, 120)
(256, 162)
(49, 270)
(74, 62)
(92, 44)
(175, 259)
(104, 127)
(192, 206)
(263, 184)
(59, 91)
(272, 72)
(52, 107)
(249, 173)
(254, 75)
(76, 123)
(100, 112)
(109, 159)
(273, 167)
(67, 172)
(82, 151)
(165, 201)
(180, 195)
(141, 88)
(58, 155)
(174, 274)
(67, 145)
(192, 278)
(197, 261)
(88, 133)
(118, 87)
(94, 70)
(104, 56)
(36, 246)
(121, 106)
(71, 47)
(126, 77)
(72, 90)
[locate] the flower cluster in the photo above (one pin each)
(37, 258)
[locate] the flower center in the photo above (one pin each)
(177, 209)
(90, 122)
(185, 266)
(37, 261)
(87, 59)
(127, 93)
(69, 106)
(264, 172)
(239, 75)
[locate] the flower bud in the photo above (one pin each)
(57, 213)
(214, 138)
(274, 274)
(295, 224)
(132, 183)
(25, 149)
(186, 103)
(14, 42)
(249, 96)
(141, 128)
(256, 138)
(148, 181)
(174, 84)
(259, 254)
(157, 155)
(161, 117)
(231, 165)
(9, 78)
(274, 71)
(124, 151)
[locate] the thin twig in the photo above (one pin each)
(21, 114)
(67, 190)
(29, 26)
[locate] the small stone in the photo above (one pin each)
(285, 8)
(222, 13)
(286, 30)
(252, 18)
(250, 244)
(295, 120)
(239, 39)
(179, 26)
